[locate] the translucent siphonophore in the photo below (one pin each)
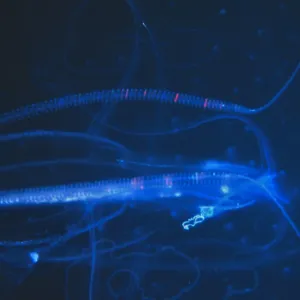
(130, 95)
(210, 191)
(105, 181)
(36, 158)
(128, 211)
(193, 194)
(207, 191)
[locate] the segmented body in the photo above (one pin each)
(208, 184)
(134, 94)
(117, 96)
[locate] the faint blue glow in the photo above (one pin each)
(223, 11)
(192, 222)
(225, 189)
(205, 212)
(34, 257)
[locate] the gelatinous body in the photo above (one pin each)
(227, 199)
(132, 94)
(210, 185)
(204, 194)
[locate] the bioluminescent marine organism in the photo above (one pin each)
(169, 259)
(193, 194)
(127, 72)
(145, 263)
(96, 182)
(130, 95)
(204, 193)
(207, 195)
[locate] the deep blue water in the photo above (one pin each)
(237, 51)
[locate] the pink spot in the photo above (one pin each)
(205, 104)
(176, 98)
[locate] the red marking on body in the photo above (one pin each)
(176, 98)
(137, 183)
(199, 176)
(205, 104)
(133, 181)
(168, 181)
(145, 93)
